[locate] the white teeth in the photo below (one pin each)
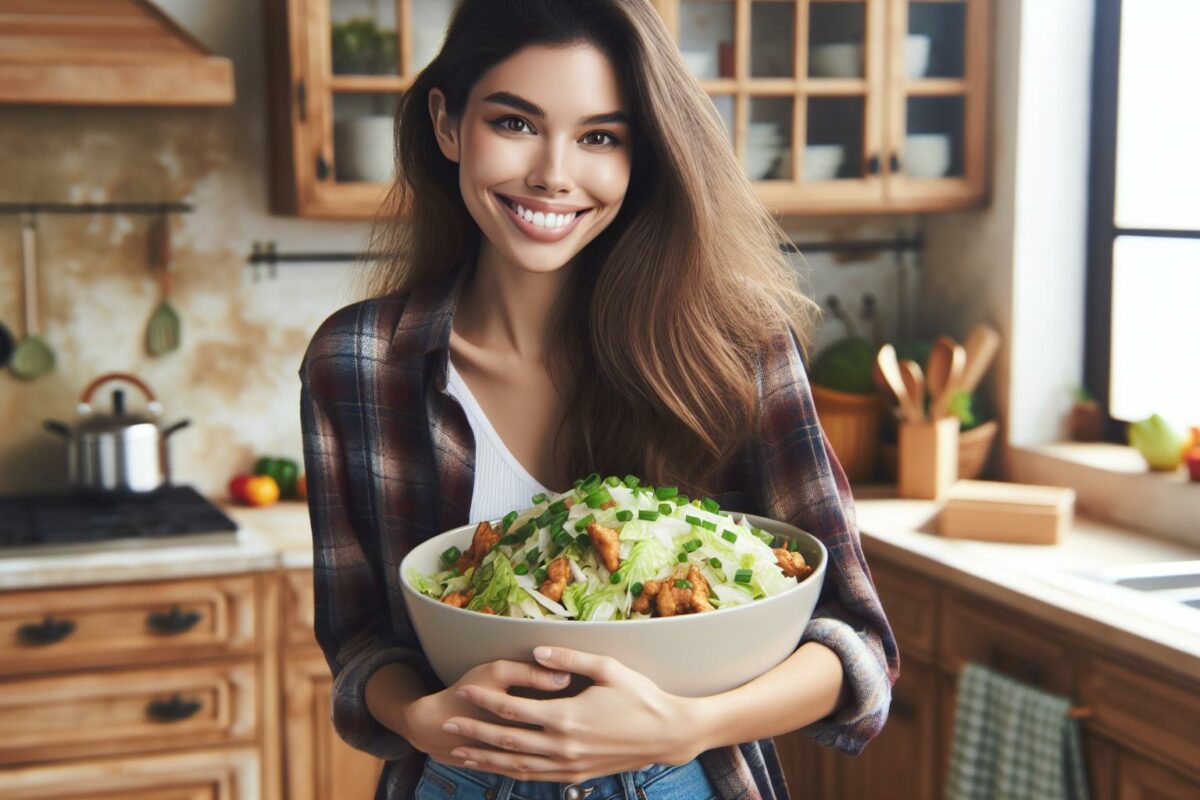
(542, 219)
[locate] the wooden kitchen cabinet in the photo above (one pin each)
(831, 106)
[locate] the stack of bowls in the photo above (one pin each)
(837, 60)
(926, 155)
(765, 143)
(822, 161)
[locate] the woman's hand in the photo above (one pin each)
(623, 722)
(424, 717)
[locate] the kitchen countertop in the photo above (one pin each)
(1048, 582)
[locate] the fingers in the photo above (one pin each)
(520, 766)
(521, 740)
(601, 669)
(510, 708)
(521, 673)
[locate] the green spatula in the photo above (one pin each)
(162, 332)
(32, 357)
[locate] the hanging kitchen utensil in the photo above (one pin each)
(32, 357)
(6, 344)
(982, 344)
(944, 375)
(839, 311)
(887, 370)
(162, 332)
(118, 453)
(914, 384)
(870, 313)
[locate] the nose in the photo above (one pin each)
(552, 171)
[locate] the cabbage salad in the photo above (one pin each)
(612, 549)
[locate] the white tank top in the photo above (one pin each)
(501, 484)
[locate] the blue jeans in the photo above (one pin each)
(656, 782)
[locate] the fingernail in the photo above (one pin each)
(463, 694)
(470, 764)
(450, 727)
(459, 753)
(542, 652)
(560, 678)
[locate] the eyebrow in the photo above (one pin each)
(521, 104)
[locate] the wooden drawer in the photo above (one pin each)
(910, 603)
(1141, 780)
(991, 635)
(228, 774)
(298, 609)
(130, 623)
(125, 711)
(1146, 712)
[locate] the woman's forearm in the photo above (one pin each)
(389, 692)
(806, 687)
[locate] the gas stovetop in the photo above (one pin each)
(169, 515)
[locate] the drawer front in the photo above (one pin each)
(228, 774)
(910, 604)
(125, 711)
(129, 623)
(993, 636)
(298, 606)
(1155, 715)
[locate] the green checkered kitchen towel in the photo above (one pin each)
(1013, 742)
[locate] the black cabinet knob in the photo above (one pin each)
(172, 623)
(174, 709)
(49, 631)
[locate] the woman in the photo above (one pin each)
(654, 328)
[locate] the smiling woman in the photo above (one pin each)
(580, 280)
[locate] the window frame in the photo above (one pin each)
(1102, 228)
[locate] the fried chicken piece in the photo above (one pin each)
(665, 604)
(484, 539)
(792, 563)
(641, 603)
(458, 599)
(699, 591)
(558, 575)
(487, 610)
(607, 543)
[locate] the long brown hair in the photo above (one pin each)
(656, 334)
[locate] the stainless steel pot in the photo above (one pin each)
(121, 452)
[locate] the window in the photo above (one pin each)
(1143, 305)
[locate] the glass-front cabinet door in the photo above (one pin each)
(352, 61)
(937, 89)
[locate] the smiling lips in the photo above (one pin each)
(538, 225)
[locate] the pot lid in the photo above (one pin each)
(118, 420)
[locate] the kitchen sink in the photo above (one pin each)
(1156, 583)
(1177, 581)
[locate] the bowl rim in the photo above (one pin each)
(408, 589)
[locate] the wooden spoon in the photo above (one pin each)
(914, 384)
(887, 368)
(982, 344)
(944, 375)
(32, 357)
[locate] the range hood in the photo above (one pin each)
(105, 53)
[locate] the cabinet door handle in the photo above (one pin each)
(47, 632)
(173, 710)
(302, 100)
(894, 163)
(322, 168)
(174, 622)
(874, 165)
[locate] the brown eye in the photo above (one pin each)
(503, 123)
(611, 139)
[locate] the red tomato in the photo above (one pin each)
(237, 488)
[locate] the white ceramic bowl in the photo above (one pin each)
(822, 161)
(692, 655)
(916, 55)
(840, 60)
(702, 63)
(926, 155)
(760, 160)
(363, 148)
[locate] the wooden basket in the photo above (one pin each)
(974, 447)
(851, 421)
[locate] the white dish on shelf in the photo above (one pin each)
(822, 161)
(926, 155)
(838, 60)
(760, 161)
(916, 55)
(702, 63)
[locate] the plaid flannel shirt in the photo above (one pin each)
(390, 462)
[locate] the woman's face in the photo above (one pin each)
(546, 130)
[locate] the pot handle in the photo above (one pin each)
(85, 400)
(60, 428)
(167, 431)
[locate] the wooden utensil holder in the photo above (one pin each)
(927, 458)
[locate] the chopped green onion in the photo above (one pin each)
(636, 589)
(794, 545)
(743, 576)
(680, 499)
(615, 577)
(624, 515)
(613, 480)
(521, 569)
(696, 503)
(583, 540)
(729, 536)
(508, 520)
(509, 539)
(526, 530)
(682, 584)
(590, 483)
(631, 481)
(692, 546)
(649, 516)
(450, 555)
(597, 498)
(582, 522)
(766, 538)
(533, 555)
(715, 562)
(577, 482)
(455, 572)
(541, 575)
(708, 523)
(540, 497)
(690, 520)
(682, 558)
(665, 510)
(562, 538)
(559, 506)
(710, 505)
(665, 492)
